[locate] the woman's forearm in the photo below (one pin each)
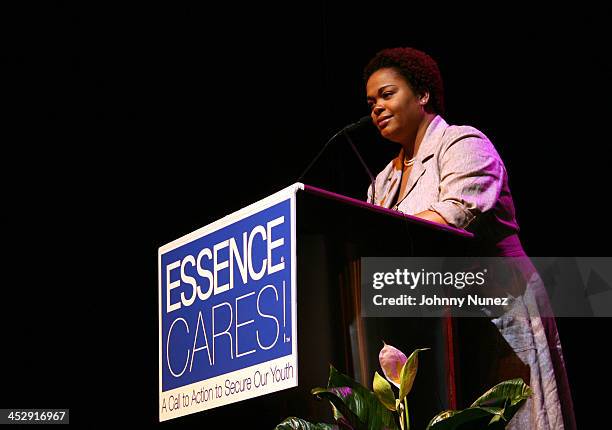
(431, 216)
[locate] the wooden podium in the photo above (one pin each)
(332, 233)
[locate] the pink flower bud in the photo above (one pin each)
(391, 361)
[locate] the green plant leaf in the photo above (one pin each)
(451, 420)
(513, 390)
(293, 423)
(408, 373)
(345, 401)
(509, 394)
(362, 402)
(383, 391)
(494, 409)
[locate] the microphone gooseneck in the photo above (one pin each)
(363, 121)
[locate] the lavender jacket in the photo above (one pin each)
(458, 174)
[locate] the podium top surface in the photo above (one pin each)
(379, 209)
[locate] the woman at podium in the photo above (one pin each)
(453, 175)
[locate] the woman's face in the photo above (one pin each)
(395, 109)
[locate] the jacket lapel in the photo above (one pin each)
(432, 137)
(417, 171)
(391, 186)
(393, 173)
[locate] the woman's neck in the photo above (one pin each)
(411, 147)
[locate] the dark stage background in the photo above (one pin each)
(130, 126)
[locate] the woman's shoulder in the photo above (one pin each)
(467, 137)
(454, 132)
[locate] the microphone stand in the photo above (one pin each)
(344, 131)
(314, 160)
(372, 178)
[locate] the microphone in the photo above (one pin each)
(363, 121)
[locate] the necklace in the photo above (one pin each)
(408, 162)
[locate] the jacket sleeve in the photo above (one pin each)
(471, 179)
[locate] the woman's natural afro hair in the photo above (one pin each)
(419, 70)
